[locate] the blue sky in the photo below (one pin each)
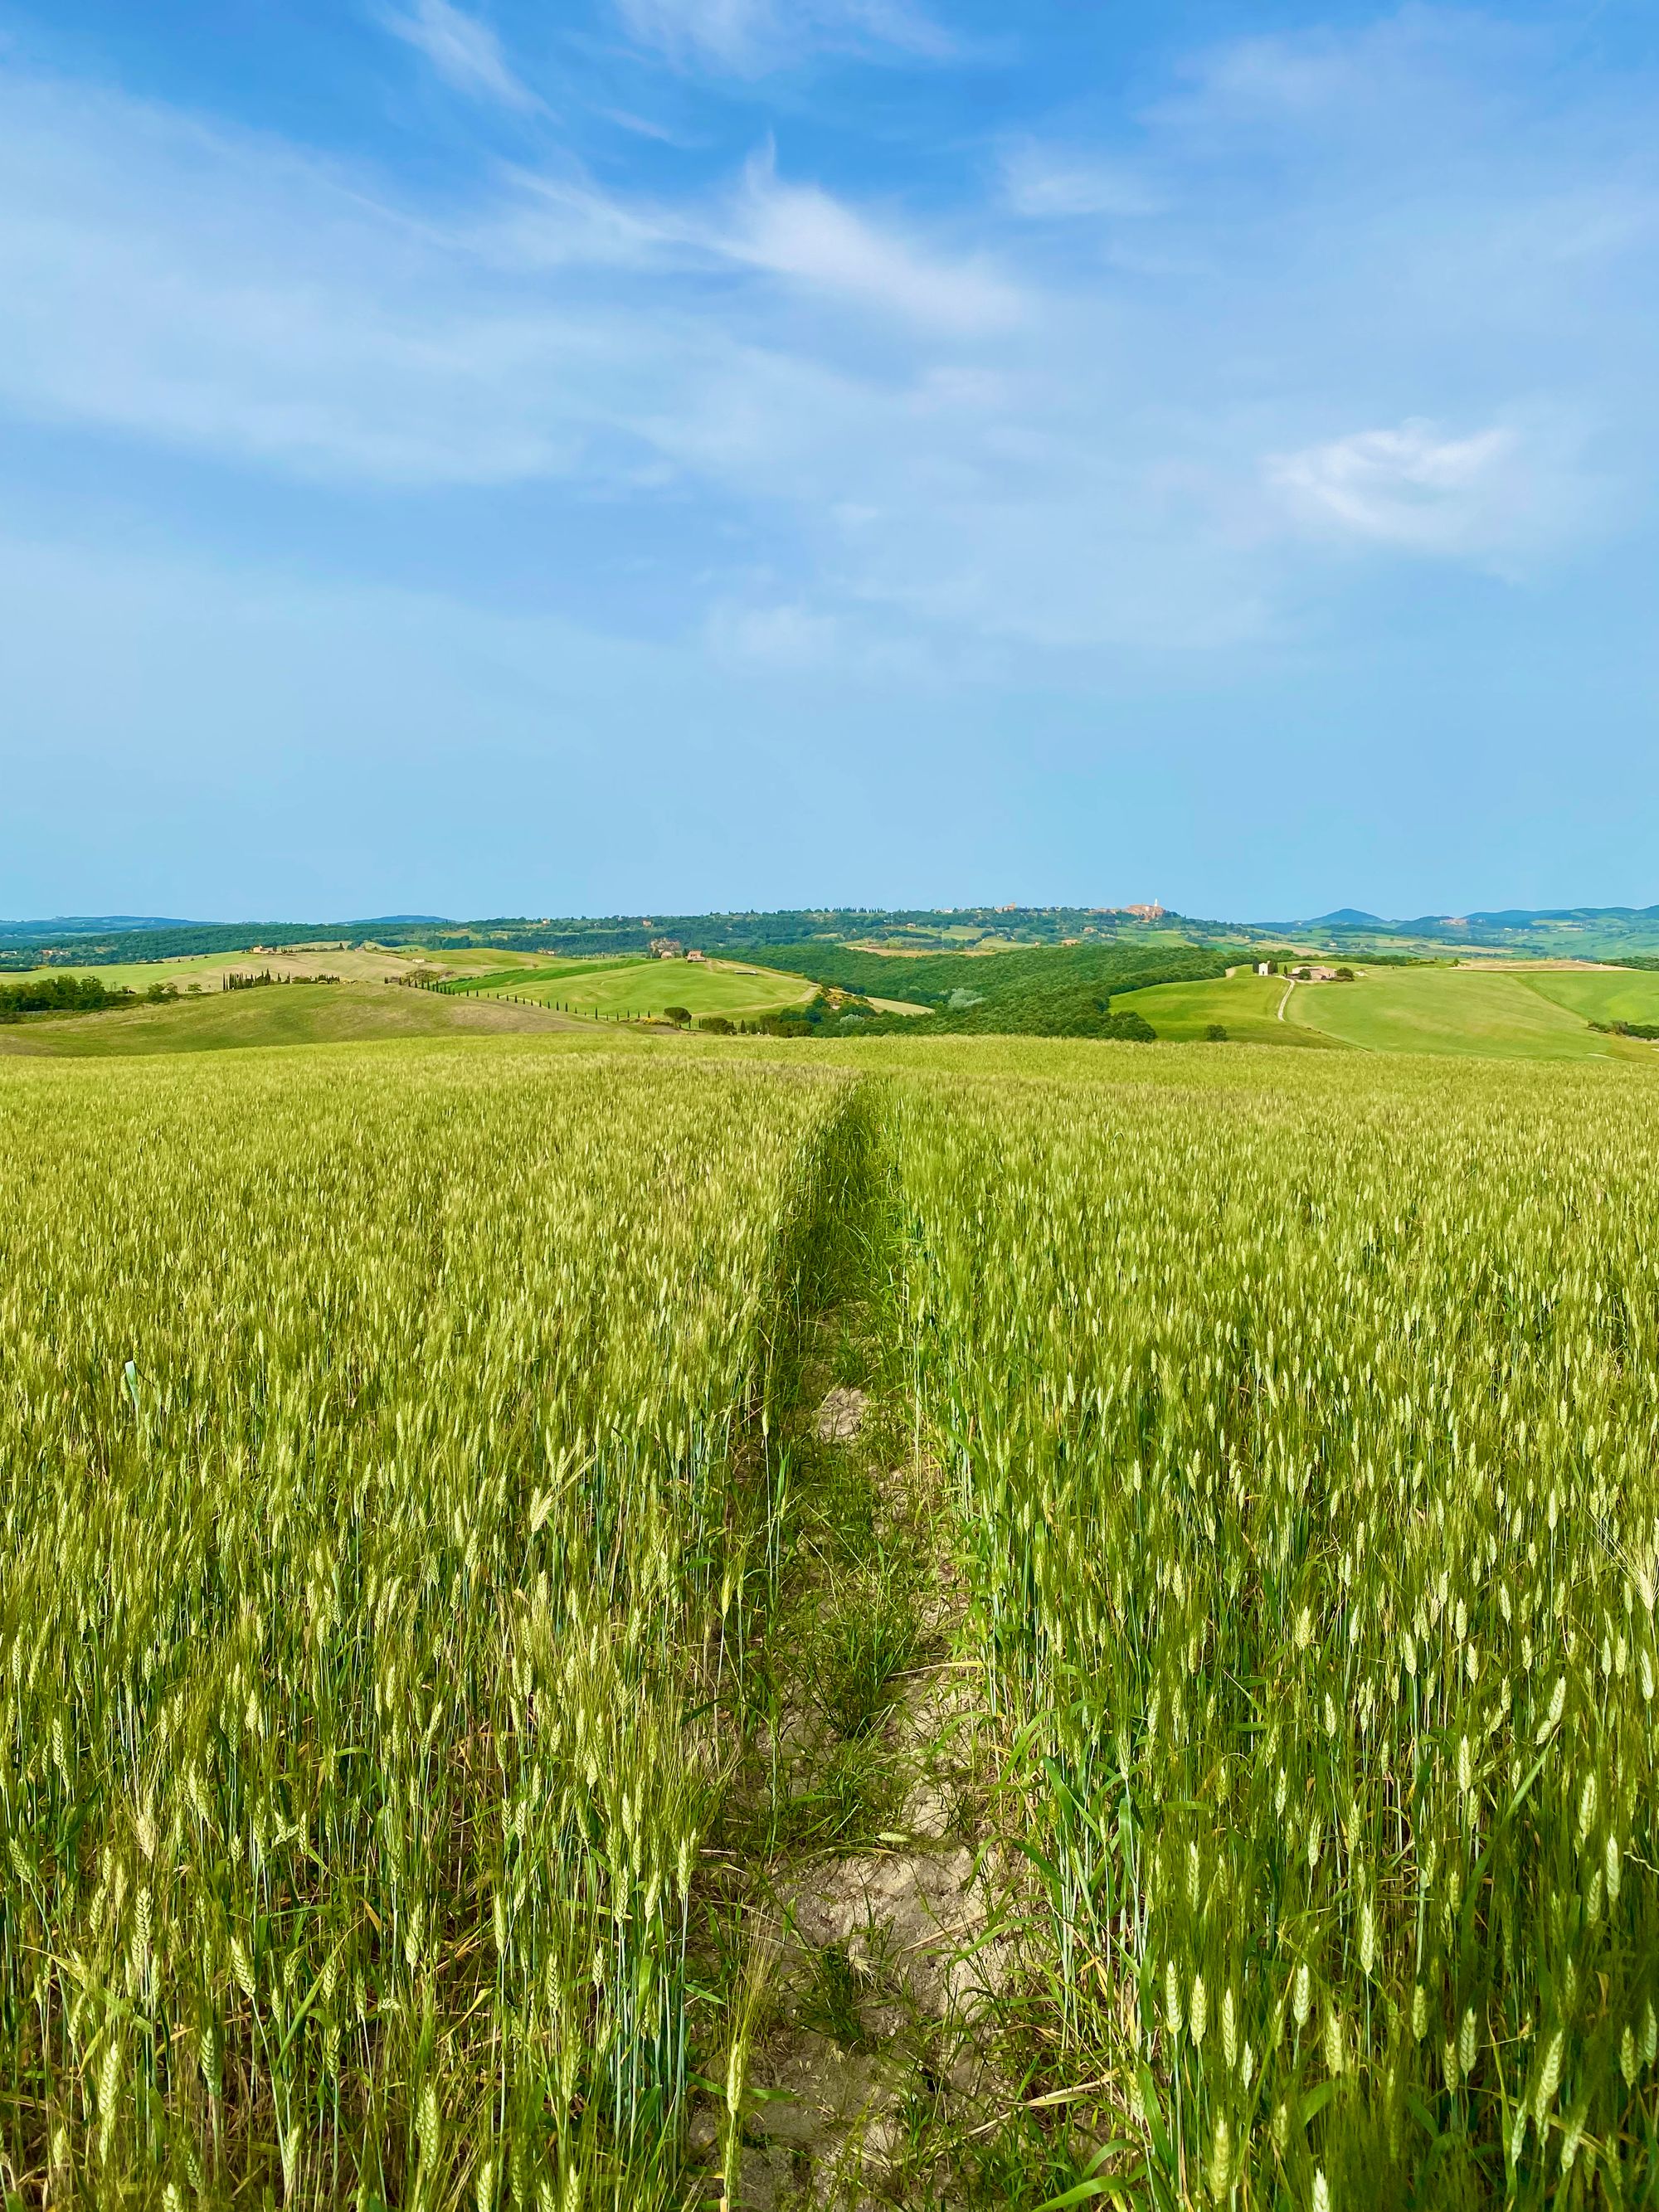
(677, 453)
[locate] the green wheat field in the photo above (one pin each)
(447, 1659)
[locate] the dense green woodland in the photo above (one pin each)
(1063, 992)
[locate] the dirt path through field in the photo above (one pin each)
(862, 1813)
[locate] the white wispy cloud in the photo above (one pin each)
(1500, 496)
(1411, 486)
(463, 49)
(805, 235)
(1045, 182)
(968, 425)
(750, 36)
(822, 247)
(217, 292)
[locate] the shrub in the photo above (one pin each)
(1216, 1033)
(718, 1025)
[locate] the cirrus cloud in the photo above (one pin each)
(463, 50)
(750, 38)
(1497, 494)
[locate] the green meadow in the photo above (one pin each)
(206, 971)
(637, 990)
(1246, 1006)
(1600, 995)
(1481, 1013)
(274, 1014)
(1470, 1013)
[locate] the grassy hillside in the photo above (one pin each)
(1600, 994)
(645, 987)
(1466, 1012)
(1476, 1013)
(282, 1014)
(520, 972)
(1246, 1006)
(1463, 1012)
(206, 971)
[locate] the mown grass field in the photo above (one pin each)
(644, 987)
(1478, 1013)
(1466, 1012)
(418, 1560)
(1246, 1006)
(1600, 994)
(528, 972)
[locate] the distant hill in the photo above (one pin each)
(1584, 933)
(1608, 933)
(73, 924)
(122, 924)
(93, 941)
(923, 929)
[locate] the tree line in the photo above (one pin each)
(64, 995)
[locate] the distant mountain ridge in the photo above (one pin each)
(44, 931)
(1514, 917)
(1585, 933)
(79, 925)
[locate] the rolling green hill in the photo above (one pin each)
(1468, 1012)
(641, 989)
(207, 971)
(281, 1014)
(523, 972)
(1600, 995)
(1246, 1006)
(1471, 1013)
(1540, 1014)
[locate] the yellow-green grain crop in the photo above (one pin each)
(388, 1481)
(370, 1506)
(1304, 1428)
